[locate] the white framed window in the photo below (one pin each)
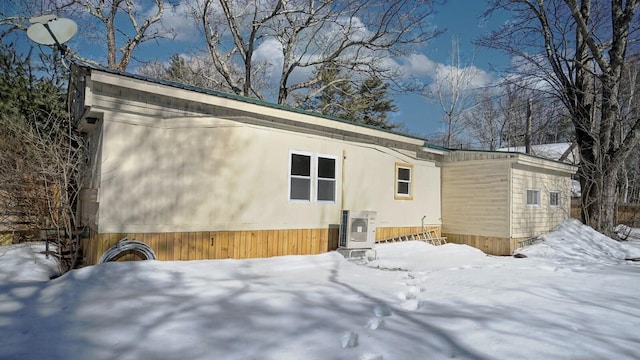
(533, 197)
(404, 181)
(312, 177)
(299, 176)
(326, 178)
(554, 198)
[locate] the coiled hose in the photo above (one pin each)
(125, 245)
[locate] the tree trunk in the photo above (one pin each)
(599, 198)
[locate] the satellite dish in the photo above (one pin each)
(51, 30)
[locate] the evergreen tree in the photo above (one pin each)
(373, 104)
(366, 103)
(179, 71)
(335, 92)
(27, 97)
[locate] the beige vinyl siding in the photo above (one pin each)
(475, 198)
(370, 181)
(168, 171)
(156, 101)
(89, 195)
(535, 220)
(223, 176)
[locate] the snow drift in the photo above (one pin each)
(574, 242)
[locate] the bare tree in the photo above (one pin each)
(41, 154)
(486, 123)
(288, 40)
(120, 25)
(578, 49)
(499, 117)
(452, 90)
(107, 11)
(629, 184)
(43, 179)
(193, 70)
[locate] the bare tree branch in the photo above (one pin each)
(585, 51)
(304, 35)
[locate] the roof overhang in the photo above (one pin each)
(88, 79)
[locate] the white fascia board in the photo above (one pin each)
(434, 151)
(546, 164)
(259, 110)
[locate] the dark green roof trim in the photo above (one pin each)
(237, 97)
(436, 147)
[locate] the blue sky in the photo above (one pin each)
(460, 18)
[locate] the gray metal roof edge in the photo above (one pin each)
(238, 98)
(513, 153)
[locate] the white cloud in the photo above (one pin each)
(268, 55)
(352, 28)
(177, 18)
(440, 75)
(418, 65)
(471, 76)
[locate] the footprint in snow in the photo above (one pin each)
(418, 275)
(349, 340)
(411, 304)
(371, 356)
(374, 323)
(411, 293)
(381, 310)
(409, 276)
(414, 278)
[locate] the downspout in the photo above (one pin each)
(342, 176)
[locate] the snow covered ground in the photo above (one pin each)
(574, 297)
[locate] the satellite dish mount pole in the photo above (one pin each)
(62, 48)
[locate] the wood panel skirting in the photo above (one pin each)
(391, 232)
(231, 244)
(488, 244)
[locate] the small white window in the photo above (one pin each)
(300, 177)
(404, 178)
(533, 197)
(554, 198)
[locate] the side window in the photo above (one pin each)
(300, 177)
(404, 182)
(326, 179)
(554, 198)
(533, 197)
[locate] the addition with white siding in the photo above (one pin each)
(494, 200)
